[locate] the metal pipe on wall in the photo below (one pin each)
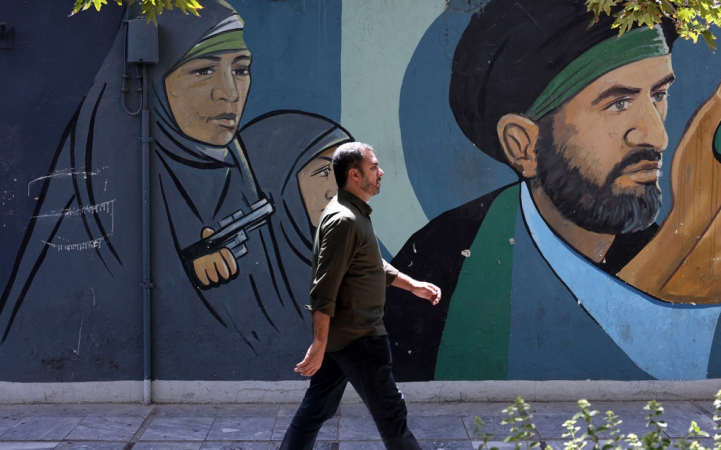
(147, 285)
(142, 49)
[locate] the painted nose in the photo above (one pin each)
(226, 90)
(649, 129)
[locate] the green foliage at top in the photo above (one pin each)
(693, 18)
(150, 8)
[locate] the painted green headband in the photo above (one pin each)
(630, 47)
(229, 41)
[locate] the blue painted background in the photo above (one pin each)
(296, 47)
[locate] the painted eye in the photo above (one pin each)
(322, 171)
(205, 71)
(620, 105)
(660, 96)
(241, 72)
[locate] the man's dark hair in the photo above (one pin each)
(510, 52)
(346, 157)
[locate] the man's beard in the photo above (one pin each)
(588, 205)
(367, 185)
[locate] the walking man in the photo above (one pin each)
(347, 294)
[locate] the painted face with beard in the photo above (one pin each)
(599, 155)
(591, 206)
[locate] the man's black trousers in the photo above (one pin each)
(366, 363)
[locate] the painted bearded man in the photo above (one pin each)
(531, 269)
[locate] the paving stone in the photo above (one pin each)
(633, 422)
(455, 409)
(77, 410)
(234, 446)
(438, 427)
(446, 445)
(678, 422)
(256, 410)
(678, 416)
(357, 429)
(167, 446)
(631, 408)
(242, 429)
(215, 410)
(318, 445)
(553, 408)
(500, 445)
(362, 445)
(551, 426)
(354, 410)
(188, 411)
(178, 429)
(28, 445)
(91, 446)
(289, 410)
(106, 428)
(328, 432)
(556, 444)
(7, 421)
(492, 425)
(41, 429)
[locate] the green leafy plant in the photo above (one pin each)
(150, 8)
(522, 428)
(693, 18)
(586, 427)
(479, 429)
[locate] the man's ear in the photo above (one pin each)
(518, 136)
(353, 174)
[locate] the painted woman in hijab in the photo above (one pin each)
(212, 245)
(222, 306)
(291, 152)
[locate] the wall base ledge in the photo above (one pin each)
(165, 391)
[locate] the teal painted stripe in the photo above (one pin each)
(475, 339)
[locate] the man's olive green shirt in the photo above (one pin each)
(349, 276)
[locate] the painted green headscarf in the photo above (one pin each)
(226, 37)
(633, 46)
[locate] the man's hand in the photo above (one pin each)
(421, 289)
(312, 361)
(314, 356)
(217, 268)
(429, 291)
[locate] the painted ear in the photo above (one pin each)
(518, 136)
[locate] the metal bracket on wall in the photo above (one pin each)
(6, 36)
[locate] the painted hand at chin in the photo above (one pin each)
(682, 262)
(217, 268)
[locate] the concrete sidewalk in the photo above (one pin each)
(447, 426)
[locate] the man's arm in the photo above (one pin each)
(421, 289)
(314, 356)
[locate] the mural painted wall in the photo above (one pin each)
(558, 183)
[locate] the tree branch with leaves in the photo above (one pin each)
(693, 18)
(150, 8)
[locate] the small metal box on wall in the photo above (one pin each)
(142, 42)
